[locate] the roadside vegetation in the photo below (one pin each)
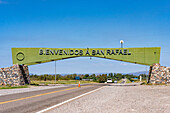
(47, 79)
(83, 78)
(13, 87)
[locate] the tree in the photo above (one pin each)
(86, 76)
(102, 78)
(118, 76)
(110, 75)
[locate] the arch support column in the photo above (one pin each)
(14, 75)
(159, 74)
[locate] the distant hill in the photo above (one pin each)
(138, 73)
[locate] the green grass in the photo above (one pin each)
(13, 87)
(145, 81)
(59, 82)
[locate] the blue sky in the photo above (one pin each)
(81, 24)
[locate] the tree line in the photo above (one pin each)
(101, 78)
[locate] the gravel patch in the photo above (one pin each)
(22, 90)
(121, 99)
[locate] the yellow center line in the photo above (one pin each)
(40, 95)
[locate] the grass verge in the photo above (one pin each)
(13, 87)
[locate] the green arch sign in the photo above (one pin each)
(31, 56)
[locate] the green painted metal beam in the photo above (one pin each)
(31, 56)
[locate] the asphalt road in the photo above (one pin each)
(31, 102)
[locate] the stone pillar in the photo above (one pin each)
(14, 75)
(159, 74)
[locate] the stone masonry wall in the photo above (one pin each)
(14, 75)
(159, 74)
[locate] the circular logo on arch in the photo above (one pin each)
(20, 56)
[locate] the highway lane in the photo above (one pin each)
(31, 102)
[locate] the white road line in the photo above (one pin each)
(68, 101)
